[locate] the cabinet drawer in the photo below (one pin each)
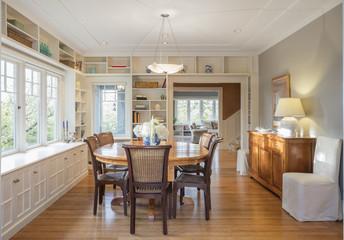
(276, 145)
(255, 139)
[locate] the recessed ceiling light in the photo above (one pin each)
(237, 30)
(164, 42)
(165, 35)
(104, 43)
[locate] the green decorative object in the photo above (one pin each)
(16, 23)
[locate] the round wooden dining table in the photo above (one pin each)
(181, 153)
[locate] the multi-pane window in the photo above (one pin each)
(32, 106)
(52, 107)
(9, 72)
(110, 108)
(193, 111)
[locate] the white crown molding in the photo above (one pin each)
(316, 15)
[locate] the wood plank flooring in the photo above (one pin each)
(241, 209)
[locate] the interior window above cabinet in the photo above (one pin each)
(19, 28)
(189, 63)
(140, 64)
(118, 65)
(209, 64)
(48, 44)
(94, 65)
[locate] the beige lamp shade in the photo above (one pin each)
(289, 107)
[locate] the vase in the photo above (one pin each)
(154, 140)
(146, 141)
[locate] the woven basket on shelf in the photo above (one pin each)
(146, 84)
(15, 36)
(69, 63)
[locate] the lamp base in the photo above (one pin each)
(289, 126)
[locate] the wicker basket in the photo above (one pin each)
(15, 36)
(146, 84)
(69, 63)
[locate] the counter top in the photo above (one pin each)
(19, 160)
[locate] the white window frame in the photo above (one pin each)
(17, 117)
(127, 104)
(20, 125)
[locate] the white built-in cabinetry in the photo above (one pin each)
(29, 190)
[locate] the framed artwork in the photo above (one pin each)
(280, 89)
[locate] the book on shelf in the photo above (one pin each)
(136, 117)
(118, 66)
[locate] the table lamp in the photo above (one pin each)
(289, 108)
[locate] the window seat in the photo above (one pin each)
(19, 160)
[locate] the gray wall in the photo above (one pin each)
(313, 58)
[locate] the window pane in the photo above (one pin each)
(109, 112)
(207, 110)
(182, 111)
(52, 108)
(216, 110)
(32, 103)
(8, 106)
(195, 111)
(8, 120)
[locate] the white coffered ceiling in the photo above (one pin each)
(200, 26)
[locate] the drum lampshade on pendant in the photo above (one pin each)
(165, 67)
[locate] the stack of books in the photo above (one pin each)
(141, 97)
(140, 107)
(160, 119)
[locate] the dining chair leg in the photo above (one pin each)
(175, 190)
(181, 195)
(132, 215)
(206, 204)
(170, 205)
(209, 197)
(95, 201)
(175, 173)
(125, 201)
(101, 190)
(164, 214)
(114, 186)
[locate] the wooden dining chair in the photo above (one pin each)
(205, 141)
(101, 178)
(107, 138)
(198, 181)
(148, 178)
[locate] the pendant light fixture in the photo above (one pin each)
(159, 67)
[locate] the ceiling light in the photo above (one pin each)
(160, 67)
(237, 30)
(104, 43)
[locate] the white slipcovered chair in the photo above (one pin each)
(316, 196)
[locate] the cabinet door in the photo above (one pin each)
(264, 167)
(55, 174)
(39, 183)
(277, 169)
(22, 192)
(76, 163)
(83, 157)
(7, 201)
(68, 164)
(254, 157)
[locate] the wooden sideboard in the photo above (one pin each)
(272, 155)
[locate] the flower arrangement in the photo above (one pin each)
(149, 129)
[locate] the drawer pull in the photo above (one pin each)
(65, 158)
(35, 172)
(74, 154)
(16, 180)
(276, 144)
(252, 138)
(82, 151)
(263, 141)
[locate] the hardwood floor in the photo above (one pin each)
(241, 209)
